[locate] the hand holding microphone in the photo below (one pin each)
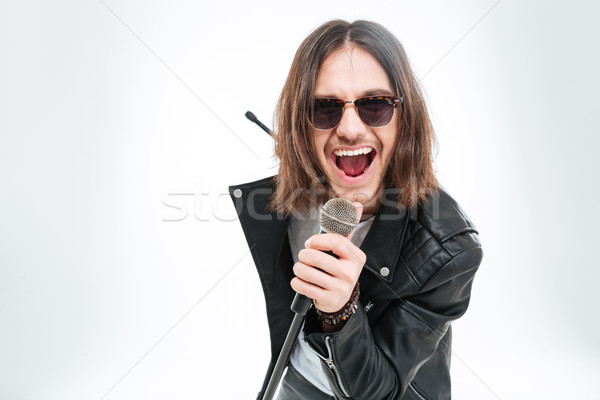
(330, 279)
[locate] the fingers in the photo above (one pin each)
(328, 280)
(329, 293)
(314, 276)
(327, 300)
(339, 245)
(323, 263)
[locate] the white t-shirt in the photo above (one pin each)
(304, 358)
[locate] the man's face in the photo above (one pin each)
(350, 74)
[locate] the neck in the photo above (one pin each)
(371, 206)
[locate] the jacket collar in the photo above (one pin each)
(383, 242)
(265, 231)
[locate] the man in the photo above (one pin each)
(352, 123)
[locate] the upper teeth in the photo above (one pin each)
(355, 152)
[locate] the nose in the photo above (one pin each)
(351, 127)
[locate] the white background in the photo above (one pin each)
(111, 111)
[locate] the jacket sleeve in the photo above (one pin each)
(380, 361)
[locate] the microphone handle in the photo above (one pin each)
(300, 306)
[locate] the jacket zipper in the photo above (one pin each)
(332, 367)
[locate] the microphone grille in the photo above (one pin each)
(339, 216)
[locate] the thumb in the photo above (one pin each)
(359, 209)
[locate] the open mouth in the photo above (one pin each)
(354, 162)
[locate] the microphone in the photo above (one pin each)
(337, 216)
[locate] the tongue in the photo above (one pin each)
(353, 165)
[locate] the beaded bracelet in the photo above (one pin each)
(342, 315)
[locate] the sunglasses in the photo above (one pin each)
(374, 111)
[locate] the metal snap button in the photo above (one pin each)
(384, 271)
(237, 193)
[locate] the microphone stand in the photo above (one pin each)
(250, 115)
(300, 306)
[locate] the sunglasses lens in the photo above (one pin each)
(326, 114)
(375, 112)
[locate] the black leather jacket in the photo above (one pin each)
(417, 279)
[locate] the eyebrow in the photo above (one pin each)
(366, 93)
(375, 92)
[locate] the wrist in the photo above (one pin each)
(338, 318)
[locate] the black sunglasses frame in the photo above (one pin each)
(391, 100)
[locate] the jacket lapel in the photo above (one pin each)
(383, 246)
(266, 234)
(383, 243)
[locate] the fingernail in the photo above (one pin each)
(307, 243)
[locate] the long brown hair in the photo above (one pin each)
(300, 182)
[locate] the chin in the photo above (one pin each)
(368, 196)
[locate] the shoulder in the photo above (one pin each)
(253, 197)
(244, 189)
(443, 217)
(440, 236)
